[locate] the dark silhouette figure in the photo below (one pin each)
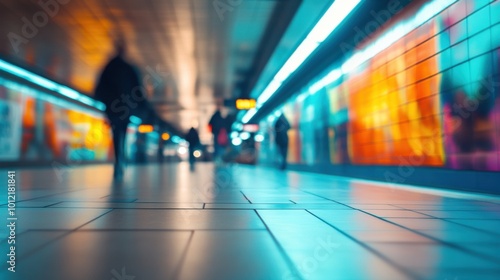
(218, 126)
(120, 90)
(194, 141)
(281, 133)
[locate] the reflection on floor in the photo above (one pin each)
(241, 222)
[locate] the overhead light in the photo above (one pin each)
(269, 91)
(399, 31)
(50, 85)
(135, 120)
(182, 150)
(249, 115)
(197, 153)
(236, 141)
(165, 136)
(430, 10)
(330, 78)
(238, 126)
(330, 20)
(234, 134)
(259, 138)
(245, 135)
(176, 139)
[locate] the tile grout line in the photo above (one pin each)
(459, 224)
(443, 242)
(178, 269)
(446, 243)
(281, 249)
(50, 205)
(246, 197)
(67, 232)
(400, 268)
(49, 195)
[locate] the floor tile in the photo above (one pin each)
(397, 214)
(177, 219)
(233, 255)
(127, 205)
(165, 222)
(103, 255)
(394, 236)
(333, 206)
(430, 257)
(319, 251)
(53, 219)
(475, 215)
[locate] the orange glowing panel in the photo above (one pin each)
(145, 128)
(399, 106)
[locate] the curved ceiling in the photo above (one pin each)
(192, 51)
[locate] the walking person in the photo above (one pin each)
(194, 141)
(218, 127)
(281, 128)
(119, 89)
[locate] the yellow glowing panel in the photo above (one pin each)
(245, 104)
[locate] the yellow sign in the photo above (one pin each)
(245, 104)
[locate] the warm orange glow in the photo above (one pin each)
(165, 136)
(145, 128)
(395, 107)
(245, 104)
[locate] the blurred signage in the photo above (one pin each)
(245, 104)
(145, 128)
(251, 127)
(241, 103)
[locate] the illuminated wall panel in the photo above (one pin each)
(431, 98)
(37, 126)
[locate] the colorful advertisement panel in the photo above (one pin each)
(10, 127)
(36, 126)
(429, 99)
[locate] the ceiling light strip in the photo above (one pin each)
(332, 18)
(50, 85)
(430, 10)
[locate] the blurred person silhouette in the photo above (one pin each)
(194, 141)
(281, 128)
(119, 88)
(218, 127)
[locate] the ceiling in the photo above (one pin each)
(194, 51)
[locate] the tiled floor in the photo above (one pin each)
(241, 222)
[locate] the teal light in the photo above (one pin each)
(135, 120)
(50, 85)
(426, 13)
(430, 10)
(330, 78)
(332, 18)
(176, 139)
